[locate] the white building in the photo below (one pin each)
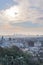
(37, 44)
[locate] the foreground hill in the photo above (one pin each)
(15, 56)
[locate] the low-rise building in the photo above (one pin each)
(41, 54)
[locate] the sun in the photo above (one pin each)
(12, 12)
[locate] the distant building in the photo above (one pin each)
(31, 43)
(37, 44)
(41, 54)
(42, 43)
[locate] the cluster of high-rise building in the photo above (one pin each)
(33, 45)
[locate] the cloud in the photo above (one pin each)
(28, 10)
(23, 14)
(7, 29)
(26, 24)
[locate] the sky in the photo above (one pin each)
(21, 17)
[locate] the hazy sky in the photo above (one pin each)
(21, 17)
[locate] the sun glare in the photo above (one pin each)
(12, 12)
